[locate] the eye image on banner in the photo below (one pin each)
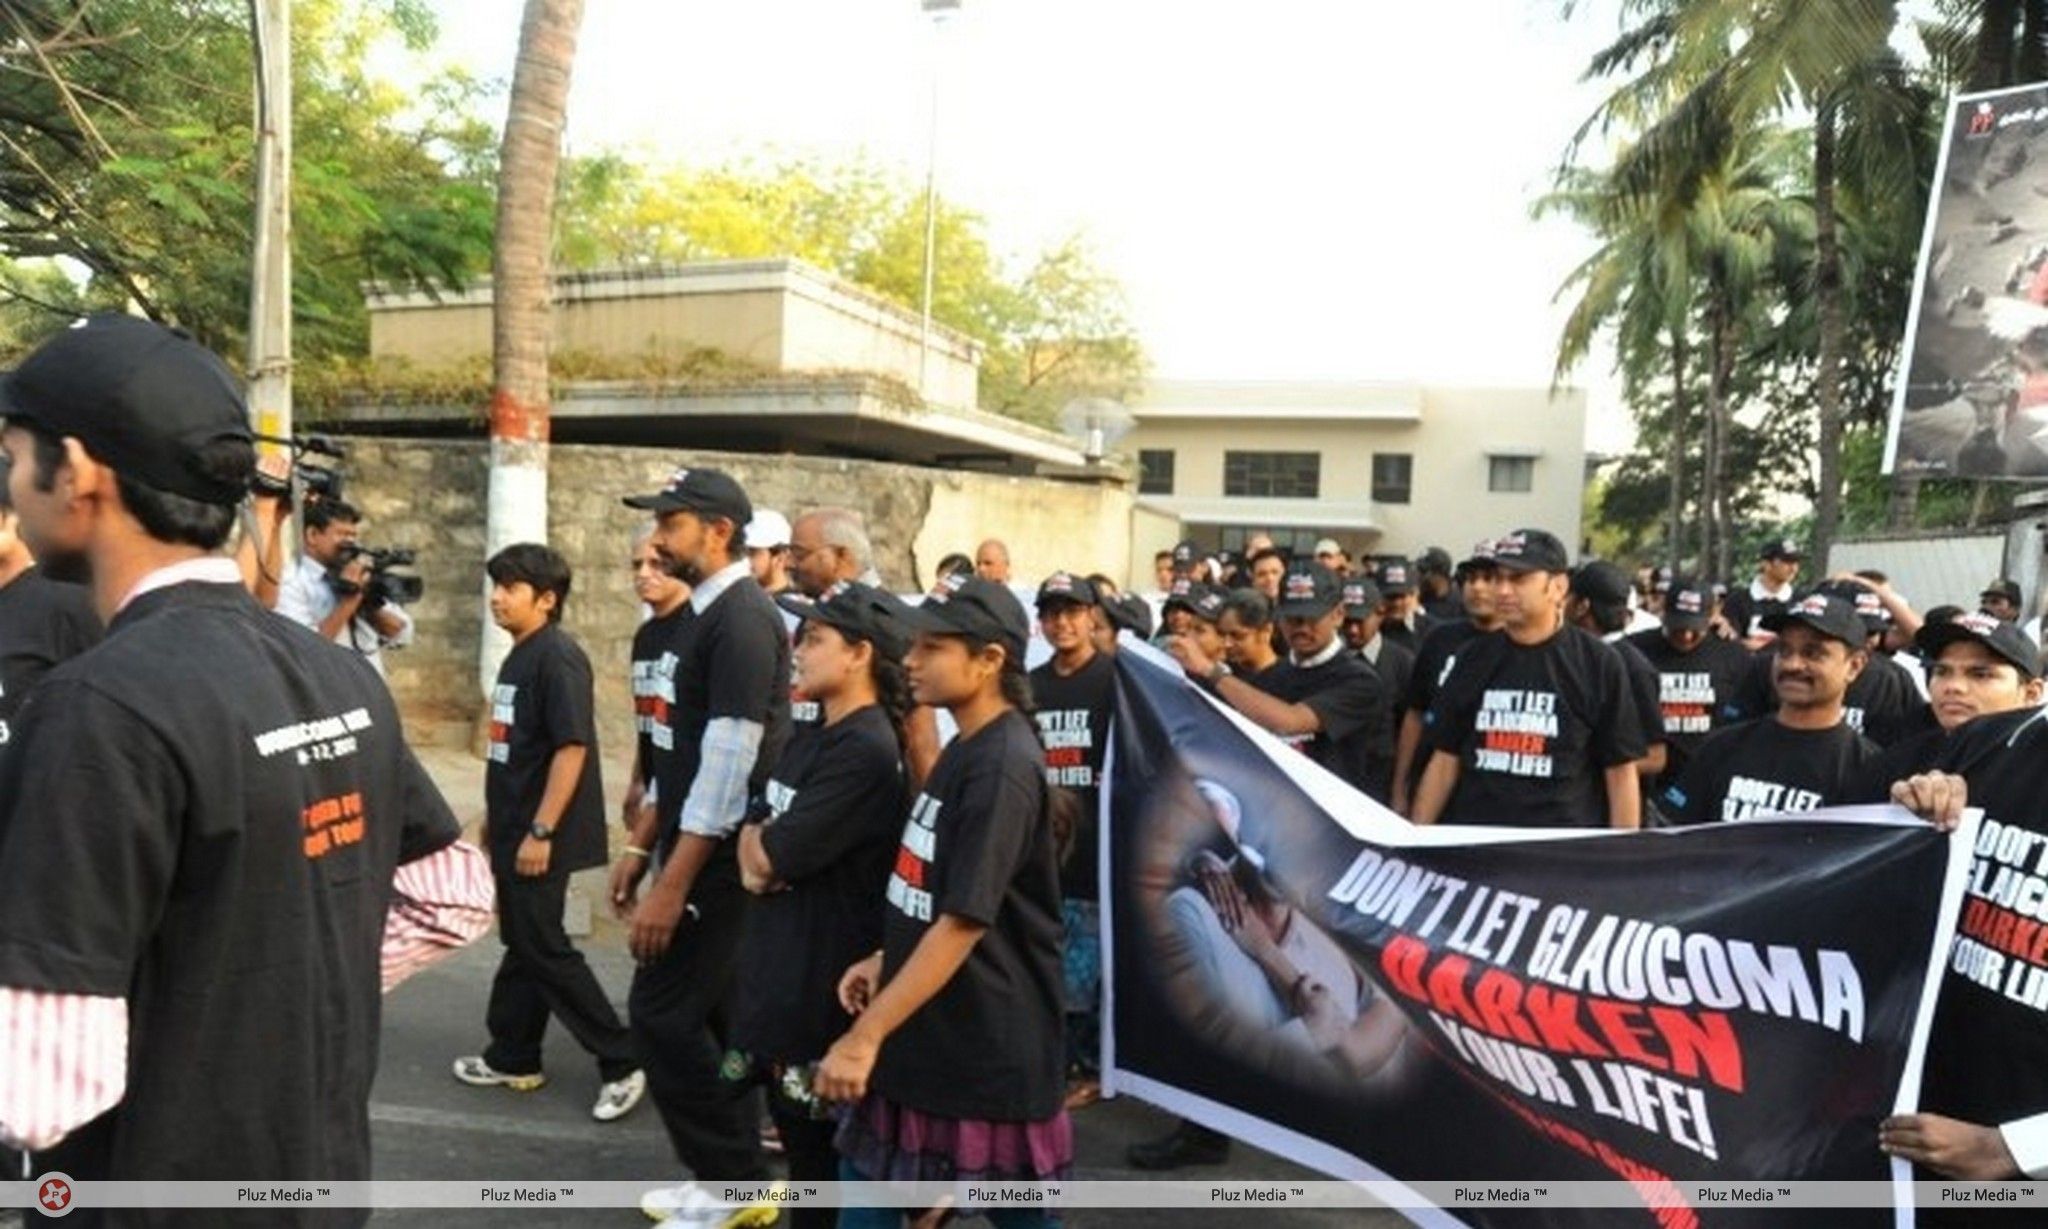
(1299, 967)
(1973, 399)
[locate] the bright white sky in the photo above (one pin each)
(1299, 189)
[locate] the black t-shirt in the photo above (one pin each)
(1433, 662)
(1744, 610)
(1408, 637)
(1534, 727)
(1761, 767)
(654, 687)
(203, 818)
(1073, 722)
(1644, 688)
(978, 845)
(1355, 739)
(1910, 756)
(732, 660)
(833, 812)
(43, 623)
(1881, 703)
(541, 704)
(1696, 691)
(1987, 1056)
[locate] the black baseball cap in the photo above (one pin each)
(1662, 580)
(1869, 606)
(2002, 587)
(2000, 637)
(1129, 613)
(1207, 601)
(1185, 556)
(1395, 576)
(1688, 606)
(1065, 588)
(1308, 591)
(1361, 598)
(1831, 616)
(1481, 558)
(1783, 548)
(859, 610)
(1600, 583)
(966, 605)
(1435, 561)
(144, 400)
(706, 492)
(1531, 550)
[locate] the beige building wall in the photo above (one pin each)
(1450, 440)
(1047, 525)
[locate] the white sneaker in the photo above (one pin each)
(617, 1099)
(473, 1070)
(690, 1206)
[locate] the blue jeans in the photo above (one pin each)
(1081, 963)
(892, 1218)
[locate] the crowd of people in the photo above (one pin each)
(860, 865)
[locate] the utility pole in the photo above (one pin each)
(938, 11)
(270, 287)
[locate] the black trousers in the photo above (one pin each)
(807, 1149)
(678, 1008)
(542, 975)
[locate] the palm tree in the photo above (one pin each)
(522, 288)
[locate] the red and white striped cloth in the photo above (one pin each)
(66, 1055)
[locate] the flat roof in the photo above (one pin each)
(851, 416)
(1355, 515)
(1310, 400)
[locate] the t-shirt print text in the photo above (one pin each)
(2002, 942)
(1749, 796)
(317, 741)
(654, 693)
(907, 891)
(1516, 730)
(1688, 702)
(504, 698)
(1068, 739)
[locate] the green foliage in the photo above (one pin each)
(1053, 330)
(132, 148)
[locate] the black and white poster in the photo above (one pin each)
(1296, 966)
(1972, 400)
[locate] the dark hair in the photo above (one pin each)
(320, 513)
(164, 516)
(531, 563)
(1165, 554)
(952, 564)
(1270, 552)
(1945, 614)
(1103, 585)
(1250, 606)
(1607, 616)
(1874, 576)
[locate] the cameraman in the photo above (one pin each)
(327, 588)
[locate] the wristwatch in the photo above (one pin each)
(540, 831)
(1217, 673)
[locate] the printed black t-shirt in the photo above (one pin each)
(1645, 689)
(833, 813)
(1355, 735)
(203, 818)
(732, 660)
(43, 623)
(1910, 756)
(1433, 662)
(1696, 691)
(654, 688)
(1987, 1055)
(978, 845)
(1073, 723)
(1761, 767)
(543, 702)
(1534, 727)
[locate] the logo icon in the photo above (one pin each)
(1983, 121)
(55, 1194)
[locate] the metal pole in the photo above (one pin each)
(938, 10)
(270, 289)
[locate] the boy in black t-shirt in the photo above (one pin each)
(43, 622)
(544, 819)
(1433, 661)
(1976, 666)
(1699, 674)
(1536, 720)
(1803, 756)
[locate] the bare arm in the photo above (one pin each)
(1624, 796)
(1406, 745)
(843, 1073)
(1433, 793)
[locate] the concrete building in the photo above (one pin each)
(1383, 468)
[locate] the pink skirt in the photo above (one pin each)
(888, 1142)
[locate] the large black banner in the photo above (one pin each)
(1295, 965)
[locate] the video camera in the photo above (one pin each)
(392, 578)
(319, 479)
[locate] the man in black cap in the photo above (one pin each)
(1744, 609)
(1401, 617)
(1322, 700)
(1699, 675)
(1363, 636)
(214, 844)
(1074, 694)
(1534, 724)
(1976, 666)
(2001, 600)
(1597, 602)
(1433, 662)
(1883, 703)
(1806, 754)
(1440, 599)
(727, 725)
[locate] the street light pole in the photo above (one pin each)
(270, 290)
(938, 11)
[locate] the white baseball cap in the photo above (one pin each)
(768, 530)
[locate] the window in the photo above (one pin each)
(1298, 543)
(1155, 471)
(1514, 474)
(1392, 474)
(1273, 475)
